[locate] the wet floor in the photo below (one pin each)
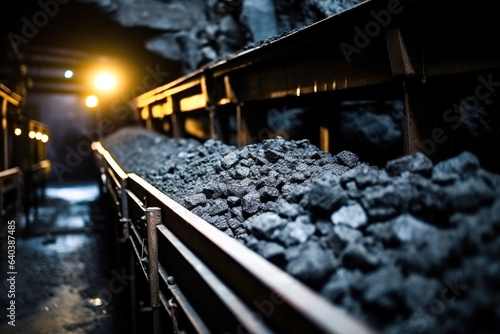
(67, 280)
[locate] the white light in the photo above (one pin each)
(32, 134)
(18, 131)
(68, 74)
(95, 301)
(105, 81)
(92, 101)
(38, 135)
(45, 138)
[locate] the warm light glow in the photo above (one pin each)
(32, 134)
(145, 113)
(68, 74)
(45, 138)
(38, 136)
(17, 131)
(95, 301)
(105, 81)
(92, 101)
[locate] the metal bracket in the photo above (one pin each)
(172, 310)
(143, 258)
(125, 222)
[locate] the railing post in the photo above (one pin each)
(153, 218)
(124, 209)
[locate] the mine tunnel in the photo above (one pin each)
(238, 166)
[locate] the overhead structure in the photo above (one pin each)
(423, 52)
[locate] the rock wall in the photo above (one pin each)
(196, 32)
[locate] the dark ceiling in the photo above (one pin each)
(55, 34)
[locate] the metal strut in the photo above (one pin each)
(153, 218)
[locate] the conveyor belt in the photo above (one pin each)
(220, 285)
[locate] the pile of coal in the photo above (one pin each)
(221, 184)
(409, 248)
(144, 152)
(412, 248)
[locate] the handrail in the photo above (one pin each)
(8, 173)
(9, 95)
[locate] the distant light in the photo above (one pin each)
(92, 101)
(68, 74)
(18, 131)
(45, 138)
(105, 81)
(32, 134)
(38, 135)
(95, 301)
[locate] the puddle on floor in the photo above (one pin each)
(65, 312)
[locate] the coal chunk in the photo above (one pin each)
(272, 251)
(242, 172)
(346, 234)
(383, 288)
(455, 168)
(233, 201)
(347, 158)
(311, 263)
(382, 202)
(194, 200)
(356, 256)
(273, 156)
(237, 190)
(416, 163)
(234, 223)
(326, 197)
(407, 228)
(237, 213)
(268, 193)
(265, 224)
(298, 177)
(419, 291)
(382, 231)
(351, 215)
(218, 206)
(470, 194)
(365, 176)
(211, 190)
(229, 160)
(220, 222)
(250, 203)
(294, 233)
(339, 284)
(288, 210)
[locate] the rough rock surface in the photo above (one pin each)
(197, 32)
(411, 248)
